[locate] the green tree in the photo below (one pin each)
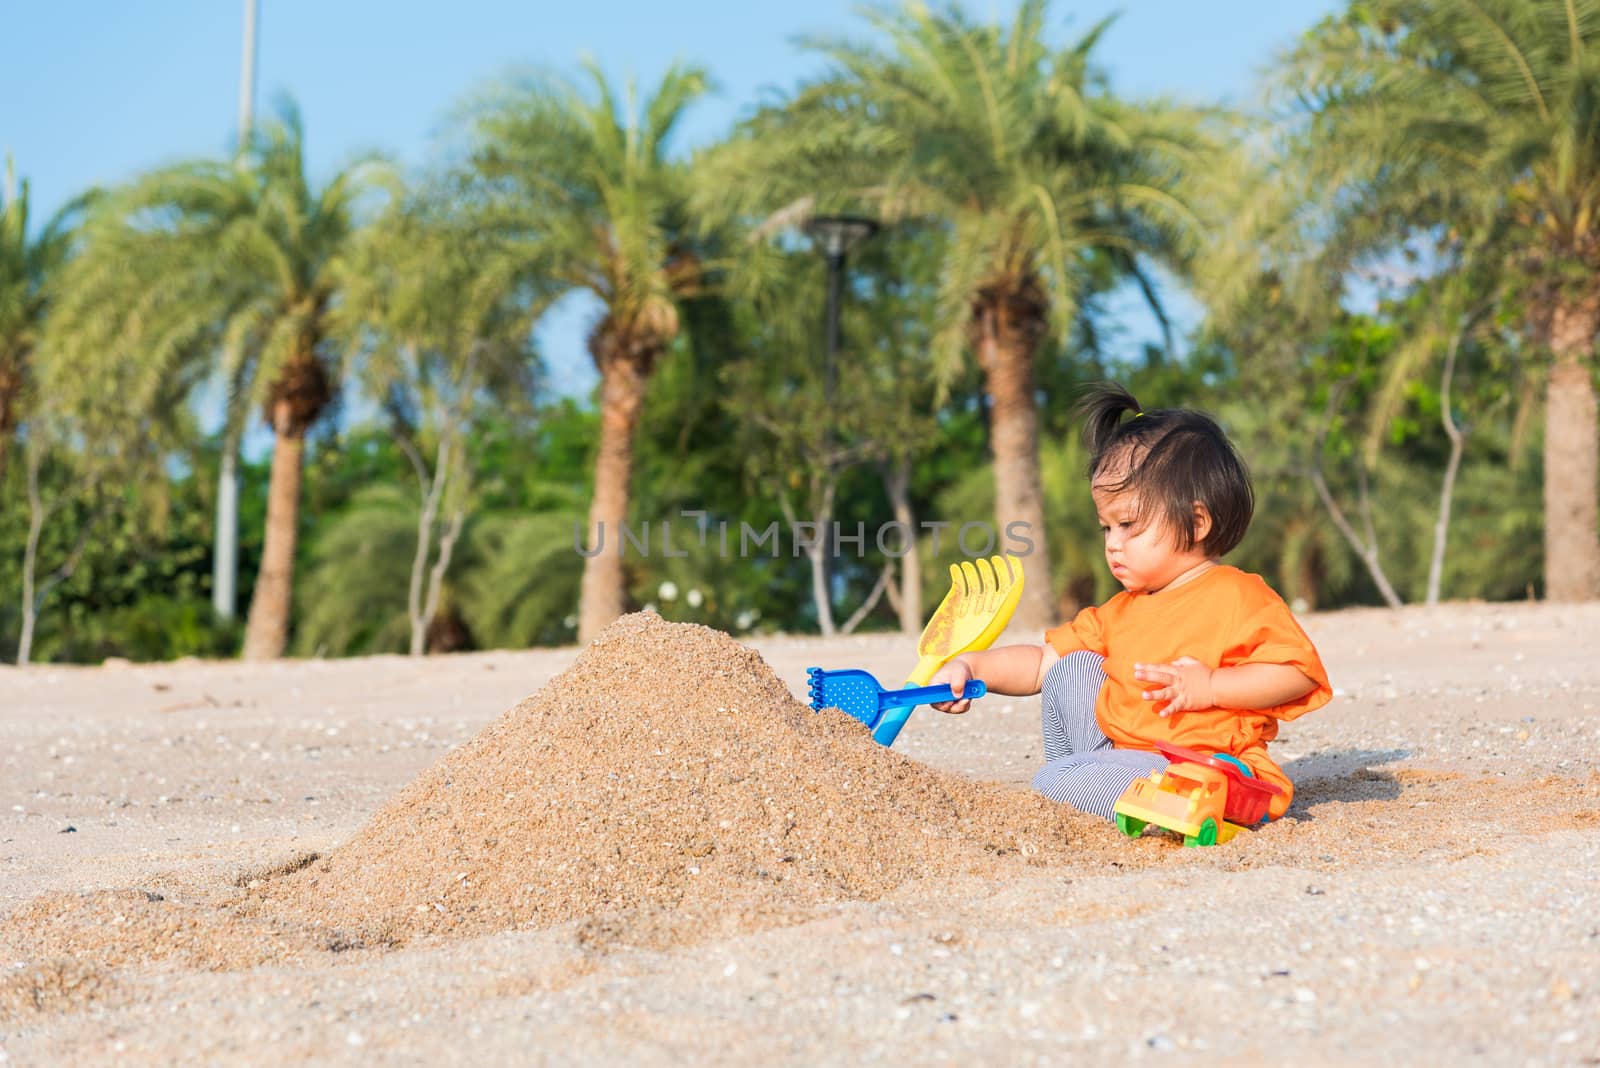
(92, 455)
(511, 583)
(353, 600)
(243, 258)
(1474, 116)
(1447, 320)
(585, 183)
(519, 585)
(436, 321)
(1036, 171)
(27, 266)
(807, 451)
(799, 444)
(694, 470)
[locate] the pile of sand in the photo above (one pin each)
(669, 783)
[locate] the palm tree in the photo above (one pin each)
(27, 265)
(586, 182)
(1038, 175)
(243, 258)
(1478, 118)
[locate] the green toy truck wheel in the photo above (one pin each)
(1206, 837)
(1130, 826)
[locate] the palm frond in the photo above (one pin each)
(208, 265)
(1015, 146)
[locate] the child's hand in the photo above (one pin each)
(1184, 684)
(957, 674)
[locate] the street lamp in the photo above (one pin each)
(834, 236)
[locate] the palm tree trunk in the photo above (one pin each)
(447, 545)
(1005, 341)
(1571, 458)
(603, 594)
(30, 560)
(267, 631)
(823, 488)
(820, 595)
(1441, 526)
(432, 487)
(897, 484)
(225, 558)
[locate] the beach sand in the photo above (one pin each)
(653, 853)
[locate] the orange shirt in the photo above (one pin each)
(1223, 617)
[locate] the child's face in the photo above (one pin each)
(1145, 559)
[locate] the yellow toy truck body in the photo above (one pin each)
(1186, 798)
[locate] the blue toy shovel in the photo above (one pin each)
(858, 694)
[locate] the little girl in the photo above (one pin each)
(1193, 652)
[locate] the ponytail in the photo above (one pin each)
(1101, 408)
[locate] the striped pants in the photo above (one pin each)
(1081, 767)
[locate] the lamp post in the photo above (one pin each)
(225, 551)
(834, 236)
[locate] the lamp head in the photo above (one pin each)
(835, 235)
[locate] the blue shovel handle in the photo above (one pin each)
(922, 695)
(898, 705)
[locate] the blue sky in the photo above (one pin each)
(96, 91)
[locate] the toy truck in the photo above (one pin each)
(1207, 799)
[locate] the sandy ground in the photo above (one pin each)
(1431, 896)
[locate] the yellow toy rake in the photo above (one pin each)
(983, 595)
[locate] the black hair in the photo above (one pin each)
(1174, 457)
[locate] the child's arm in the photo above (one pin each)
(1187, 685)
(1017, 670)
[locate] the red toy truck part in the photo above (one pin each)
(1248, 796)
